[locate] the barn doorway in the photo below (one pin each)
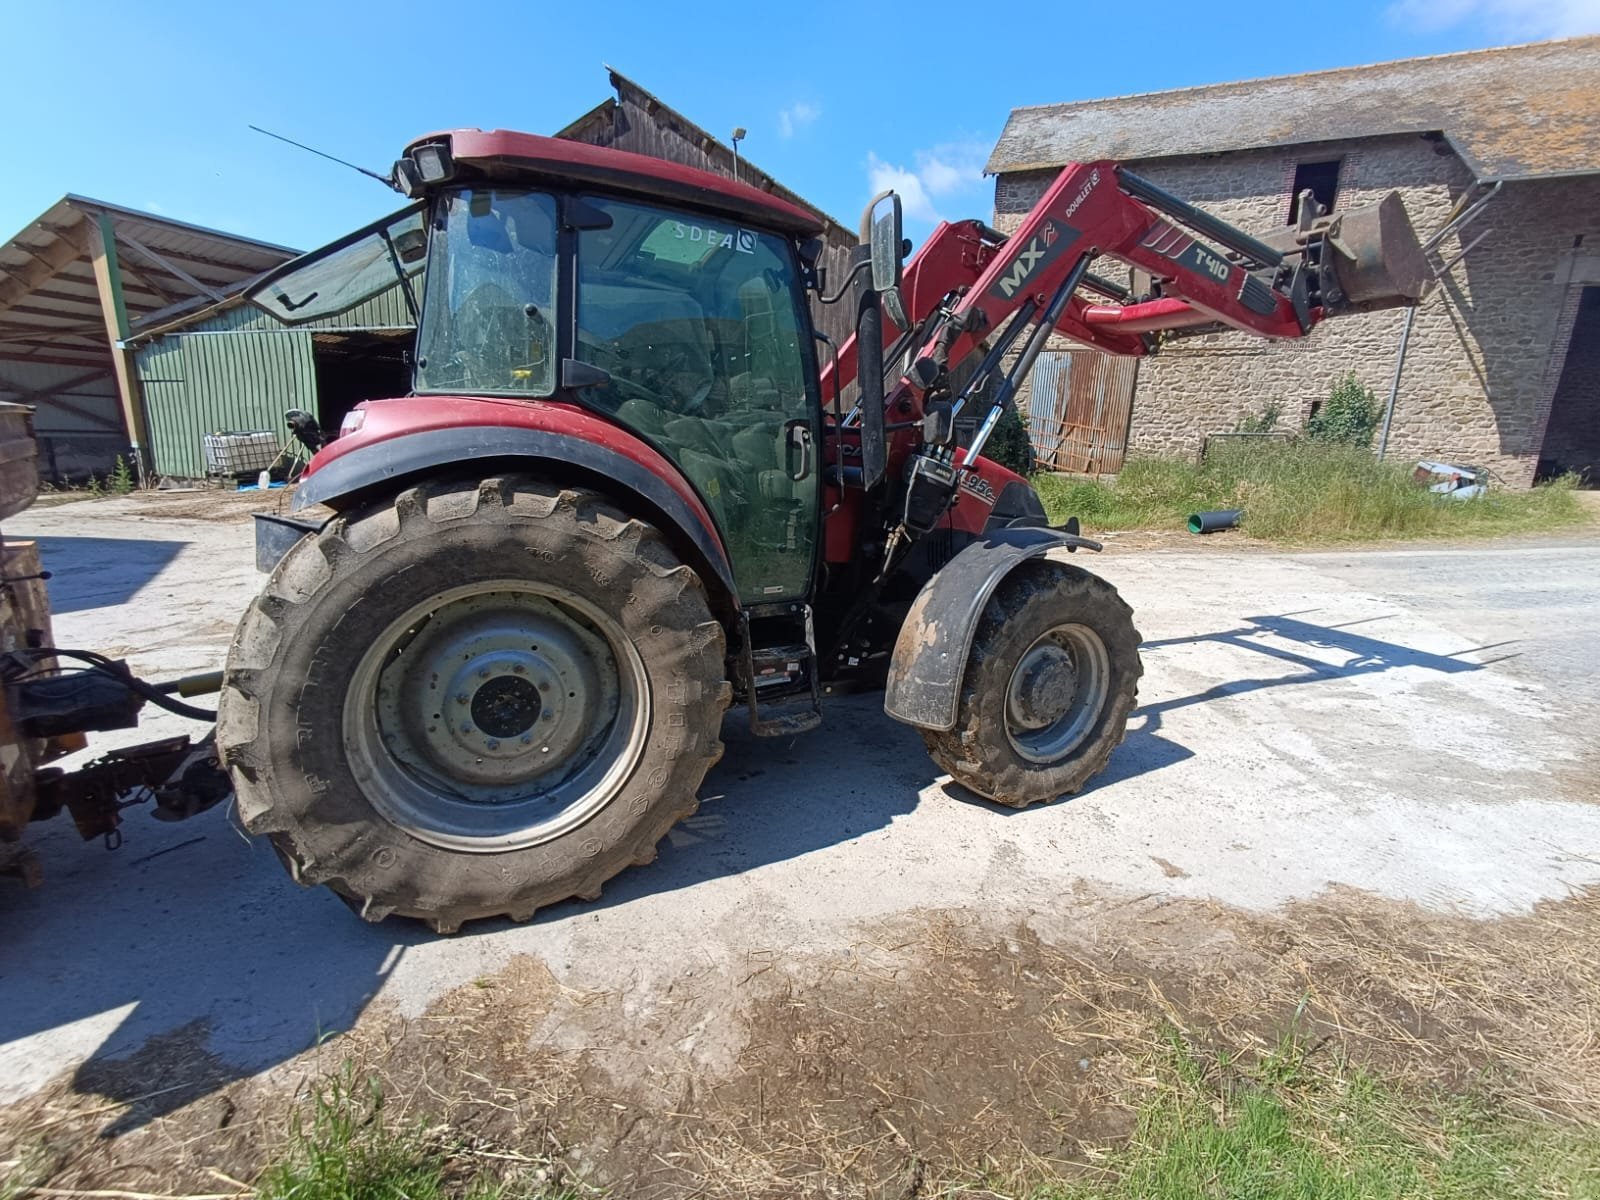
(1572, 435)
(356, 366)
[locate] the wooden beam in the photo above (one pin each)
(57, 360)
(108, 281)
(42, 265)
(169, 267)
(30, 395)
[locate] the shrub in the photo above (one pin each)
(1264, 421)
(1302, 492)
(121, 478)
(1348, 417)
(1009, 444)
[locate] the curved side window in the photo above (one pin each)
(333, 280)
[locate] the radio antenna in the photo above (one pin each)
(383, 179)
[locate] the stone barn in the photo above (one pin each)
(1497, 156)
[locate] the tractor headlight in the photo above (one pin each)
(433, 163)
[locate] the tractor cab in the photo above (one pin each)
(673, 309)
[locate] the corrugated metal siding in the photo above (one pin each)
(201, 383)
(78, 424)
(1079, 407)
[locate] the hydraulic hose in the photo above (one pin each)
(128, 679)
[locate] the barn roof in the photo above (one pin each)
(1514, 112)
(718, 153)
(49, 300)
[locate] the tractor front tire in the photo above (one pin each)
(473, 700)
(1051, 678)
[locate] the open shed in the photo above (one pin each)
(75, 285)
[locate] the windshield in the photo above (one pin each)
(333, 280)
(487, 324)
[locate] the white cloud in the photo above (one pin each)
(951, 172)
(914, 198)
(1510, 19)
(796, 117)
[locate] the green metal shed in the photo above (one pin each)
(235, 369)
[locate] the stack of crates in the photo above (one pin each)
(234, 455)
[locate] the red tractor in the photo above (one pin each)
(633, 486)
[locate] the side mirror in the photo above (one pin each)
(411, 245)
(883, 234)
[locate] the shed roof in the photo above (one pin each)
(1514, 112)
(716, 150)
(49, 303)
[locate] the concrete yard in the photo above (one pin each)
(1417, 724)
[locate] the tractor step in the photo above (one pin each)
(780, 670)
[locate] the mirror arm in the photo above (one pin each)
(848, 281)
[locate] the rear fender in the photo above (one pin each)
(384, 456)
(930, 655)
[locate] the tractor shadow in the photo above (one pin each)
(1283, 639)
(187, 961)
(180, 964)
(90, 572)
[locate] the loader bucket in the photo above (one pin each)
(1374, 259)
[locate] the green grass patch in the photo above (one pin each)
(1304, 1125)
(348, 1148)
(1302, 492)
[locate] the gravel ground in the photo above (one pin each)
(1417, 724)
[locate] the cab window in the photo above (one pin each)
(697, 323)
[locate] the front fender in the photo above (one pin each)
(402, 440)
(930, 654)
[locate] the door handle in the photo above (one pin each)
(799, 445)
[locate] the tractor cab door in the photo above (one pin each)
(701, 330)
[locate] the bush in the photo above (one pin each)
(121, 478)
(1264, 421)
(1009, 444)
(1348, 417)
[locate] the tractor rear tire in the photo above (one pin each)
(474, 699)
(1051, 678)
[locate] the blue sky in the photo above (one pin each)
(147, 105)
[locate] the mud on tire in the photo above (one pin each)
(980, 752)
(294, 697)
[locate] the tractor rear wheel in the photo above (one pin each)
(475, 699)
(1051, 678)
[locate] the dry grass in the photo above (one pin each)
(941, 1057)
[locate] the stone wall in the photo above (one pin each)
(1486, 347)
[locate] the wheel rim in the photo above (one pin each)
(1056, 693)
(496, 716)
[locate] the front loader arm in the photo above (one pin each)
(968, 281)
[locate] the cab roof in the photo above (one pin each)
(504, 154)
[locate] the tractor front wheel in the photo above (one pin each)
(1051, 678)
(473, 700)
